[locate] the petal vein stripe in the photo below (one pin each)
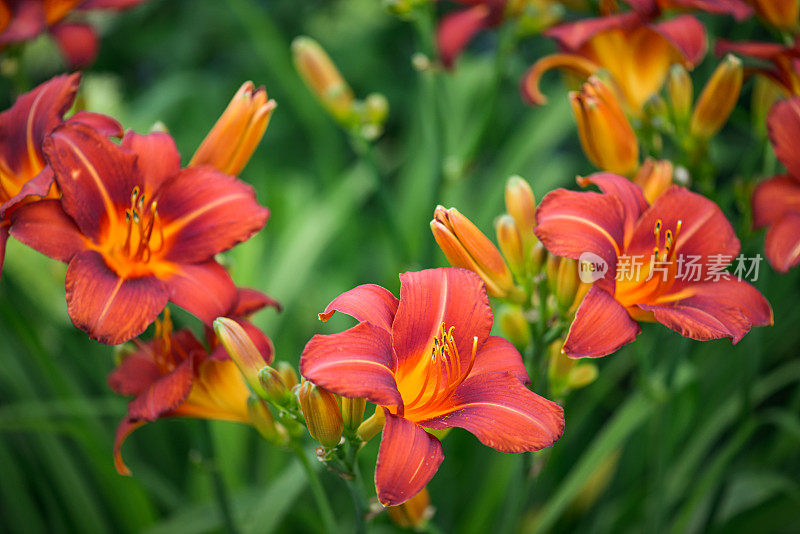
(593, 225)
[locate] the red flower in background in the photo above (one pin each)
(173, 375)
(428, 361)
(776, 202)
(24, 174)
(458, 28)
(785, 61)
(24, 20)
(680, 241)
(137, 230)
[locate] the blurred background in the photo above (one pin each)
(674, 436)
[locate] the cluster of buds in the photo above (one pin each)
(566, 374)
(362, 118)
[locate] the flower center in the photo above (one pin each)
(144, 234)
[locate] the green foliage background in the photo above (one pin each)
(675, 436)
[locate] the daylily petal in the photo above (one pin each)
(45, 227)
(3, 240)
(78, 43)
(249, 301)
(457, 29)
(601, 326)
(782, 245)
(725, 308)
(687, 35)
(753, 49)
(455, 297)
(736, 8)
(26, 23)
(368, 302)
(774, 198)
(124, 429)
(39, 186)
(407, 459)
(165, 394)
(205, 290)
(628, 193)
(206, 212)
(158, 160)
(102, 124)
(355, 363)
(502, 413)
(110, 309)
(574, 35)
(571, 223)
(783, 125)
(498, 355)
(95, 176)
(573, 63)
(136, 373)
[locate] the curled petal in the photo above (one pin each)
(45, 227)
(102, 124)
(457, 29)
(39, 186)
(601, 326)
(783, 125)
(783, 242)
(687, 35)
(78, 43)
(205, 290)
(165, 394)
(774, 198)
(355, 363)
(158, 156)
(124, 429)
(136, 373)
(249, 301)
(628, 193)
(206, 212)
(368, 302)
(498, 355)
(574, 35)
(502, 413)
(110, 309)
(407, 459)
(572, 63)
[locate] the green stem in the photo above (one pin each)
(325, 510)
(220, 491)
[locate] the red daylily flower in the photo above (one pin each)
(785, 60)
(24, 173)
(680, 243)
(458, 28)
(636, 51)
(776, 201)
(428, 361)
(173, 375)
(24, 20)
(137, 230)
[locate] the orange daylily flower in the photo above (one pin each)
(24, 173)
(662, 262)
(427, 360)
(24, 20)
(235, 136)
(173, 375)
(137, 230)
(782, 14)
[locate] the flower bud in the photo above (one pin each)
(353, 413)
(765, 94)
(559, 368)
(372, 425)
(537, 257)
(465, 246)
(262, 420)
(322, 414)
(718, 98)
(515, 326)
(235, 136)
(567, 283)
(242, 351)
(681, 94)
(287, 373)
(323, 78)
(273, 385)
(782, 14)
(654, 177)
(581, 375)
(414, 513)
(521, 205)
(511, 244)
(607, 138)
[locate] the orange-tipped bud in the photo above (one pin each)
(262, 419)
(288, 374)
(235, 136)
(606, 135)
(521, 205)
(515, 326)
(718, 98)
(353, 413)
(465, 246)
(654, 177)
(414, 513)
(323, 78)
(242, 351)
(511, 244)
(783, 14)
(322, 414)
(274, 386)
(680, 92)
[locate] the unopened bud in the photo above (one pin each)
(783, 14)
(581, 375)
(372, 425)
(654, 177)
(515, 326)
(273, 385)
(521, 205)
(323, 78)
(242, 351)
(559, 368)
(765, 94)
(353, 413)
(567, 283)
(376, 108)
(511, 244)
(537, 258)
(414, 513)
(322, 414)
(681, 96)
(607, 138)
(263, 421)
(718, 98)
(287, 373)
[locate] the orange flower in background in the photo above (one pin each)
(776, 201)
(24, 20)
(172, 375)
(662, 262)
(654, 177)
(235, 136)
(635, 51)
(427, 360)
(782, 14)
(24, 174)
(784, 70)
(137, 230)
